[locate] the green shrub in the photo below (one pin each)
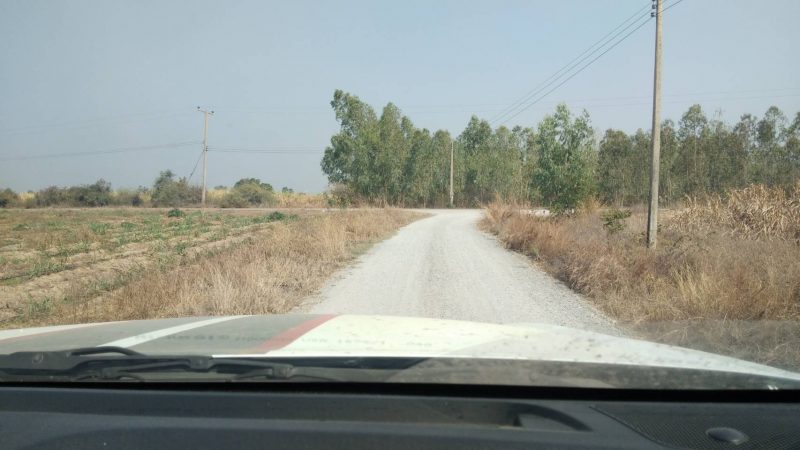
(167, 191)
(8, 198)
(175, 212)
(250, 192)
(98, 228)
(89, 195)
(340, 196)
(276, 216)
(97, 194)
(613, 220)
(51, 196)
(234, 199)
(180, 248)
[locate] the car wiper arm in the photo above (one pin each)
(84, 351)
(86, 364)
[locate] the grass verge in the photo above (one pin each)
(713, 283)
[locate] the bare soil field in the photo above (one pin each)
(79, 265)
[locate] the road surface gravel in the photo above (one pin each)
(443, 266)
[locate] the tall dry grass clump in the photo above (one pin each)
(754, 212)
(300, 200)
(269, 272)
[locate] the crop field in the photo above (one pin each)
(54, 263)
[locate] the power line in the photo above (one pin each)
(98, 152)
(277, 149)
(271, 152)
(670, 6)
(79, 124)
(470, 107)
(575, 61)
(195, 165)
(521, 109)
(272, 147)
(575, 73)
(631, 101)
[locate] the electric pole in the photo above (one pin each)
(206, 113)
(451, 173)
(652, 211)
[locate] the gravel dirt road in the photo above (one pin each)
(443, 266)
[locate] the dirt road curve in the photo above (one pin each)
(444, 267)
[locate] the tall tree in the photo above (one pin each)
(614, 168)
(564, 172)
(692, 133)
(348, 159)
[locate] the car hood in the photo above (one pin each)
(301, 335)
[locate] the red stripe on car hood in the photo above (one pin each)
(285, 338)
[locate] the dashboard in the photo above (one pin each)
(355, 416)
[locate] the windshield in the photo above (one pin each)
(578, 194)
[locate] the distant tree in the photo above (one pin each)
(51, 196)
(614, 171)
(792, 152)
(287, 190)
(474, 143)
(691, 161)
(771, 133)
(394, 131)
(621, 169)
(234, 199)
(668, 188)
(91, 195)
(249, 192)
(252, 181)
(167, 191)
(564, 172)
(8, 198)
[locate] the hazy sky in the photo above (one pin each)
(86, 76)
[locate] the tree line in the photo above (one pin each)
(168, 190)
(385, 159)
(701, 155)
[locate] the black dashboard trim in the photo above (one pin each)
(442, 390)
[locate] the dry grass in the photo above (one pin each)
(756, 212)
(268, 270)
(712, 271)
(282, 199)
(300, 200)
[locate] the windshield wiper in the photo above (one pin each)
(116, 363)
